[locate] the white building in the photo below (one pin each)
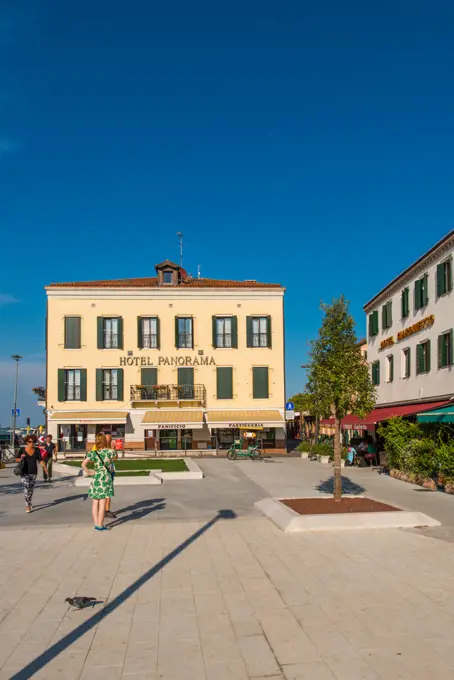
(410, 332)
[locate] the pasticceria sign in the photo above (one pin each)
(411, 330)
(168, 361)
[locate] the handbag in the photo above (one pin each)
(19, 469)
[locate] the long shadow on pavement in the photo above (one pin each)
(138, 510)
(47, 656)
(57, 501)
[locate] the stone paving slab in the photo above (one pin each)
(235, 599)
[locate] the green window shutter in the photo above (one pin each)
(158, 333)
(384, 324)
(235, 332)
(176, 332)
(440, 279)
(408, 363)
(149, 376)
(269, 332)
(249, 331)
(120, 384)
(72, 332)
(61, 384)
(139, 333)
(428, 356)
(426, 289)
(378, 372)
(186, 376)
(99, 380)
(417, 294)
(224, 382)
(441, 351)
(450, 352)
(389, 314)
(419, 358)
(449, 266)
(391, 369)
(83, 384)
(214, 331)
(260, 387)
(407, 302)
(370, 325)
(376, 328)
(100, 332)
(120, 332)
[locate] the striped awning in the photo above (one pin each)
(248, 419)
(87, 417)
(173, 420)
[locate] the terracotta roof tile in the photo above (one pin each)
(152, 282)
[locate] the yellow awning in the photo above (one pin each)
(246, 419)
(89, 416)
(173, 420)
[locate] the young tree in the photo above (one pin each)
(306, 402)
(338, 375)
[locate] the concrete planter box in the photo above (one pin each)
(324, 460)
(154, 477)
(305, 454)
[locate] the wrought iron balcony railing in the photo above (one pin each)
(168, 393)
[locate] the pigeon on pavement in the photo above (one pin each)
(80, 602)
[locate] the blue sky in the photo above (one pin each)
(305, 143)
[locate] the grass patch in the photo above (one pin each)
(132, 473)
(176, 465)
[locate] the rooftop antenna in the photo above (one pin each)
(180, 236)
(198, 271)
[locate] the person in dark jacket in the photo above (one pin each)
(51, 457)
(31, 456)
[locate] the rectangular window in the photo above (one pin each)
(224, 382)
(390, 368)
(260, 331)
(72, 332)
(110, 333)
(167, 277)
(72, 385)
(373, 323)
(445, 354)
(406, 365)
(405, 300)
(260, 382)
(184, 332)
(444, 277)
(376, 373)
(186, 383)
(422, 292)
(386, 314)
(423, 357)
(149, 332)
(223, 331)
(110, 384)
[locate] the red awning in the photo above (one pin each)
(384, 413)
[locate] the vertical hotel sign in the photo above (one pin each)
(411, 330)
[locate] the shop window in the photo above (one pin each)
(260, 382)
(184, 338)
(148, 332)
(405, 303)
(386, 315)
(422, 292)
(406, 362)
(444, 277)
(110, 332)
(376, 373)
(423, 357)
(445, 353)
(72, 332)
(373, 323)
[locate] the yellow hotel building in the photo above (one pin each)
(166, 363)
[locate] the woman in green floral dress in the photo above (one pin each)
(101, 487)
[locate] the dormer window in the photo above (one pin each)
(170, 274)
(167, 277)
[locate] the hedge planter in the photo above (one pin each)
(449, 488)
(414, 478)
(324, 460)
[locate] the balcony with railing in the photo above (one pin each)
(168, 393)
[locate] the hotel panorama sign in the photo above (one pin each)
(411, 330)
(199, 360)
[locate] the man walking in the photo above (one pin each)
(51, 456)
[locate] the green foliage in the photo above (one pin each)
(305, 447)
(304, 403)
(338, 378)
(420, 456)
(445, 455)
(397, 434)
(344, 452)
(323, 449)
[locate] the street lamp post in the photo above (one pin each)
(317, 418)
(16, 358)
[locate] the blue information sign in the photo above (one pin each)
(17, 412)
(289, 406)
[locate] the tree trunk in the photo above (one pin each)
(337, 462)
(317, 429)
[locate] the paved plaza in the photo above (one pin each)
(193, 584)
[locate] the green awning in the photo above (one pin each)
(444, 414)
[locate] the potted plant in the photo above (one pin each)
(305, 449)
(323, 452)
